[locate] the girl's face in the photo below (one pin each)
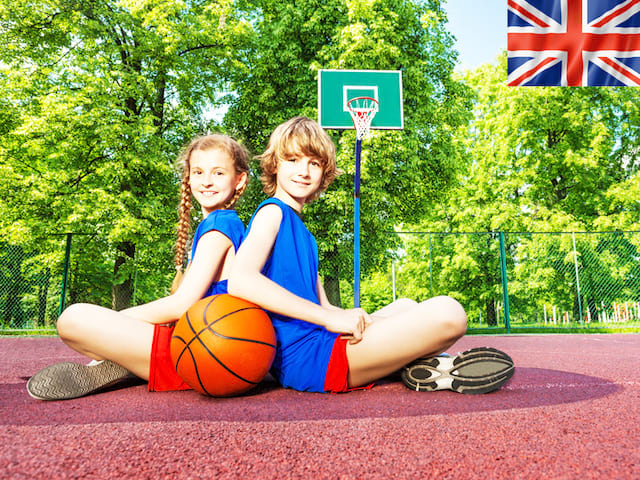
(213, 178)
(298, 178)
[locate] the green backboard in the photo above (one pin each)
(337, 87)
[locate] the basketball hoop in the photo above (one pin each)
(362, 111)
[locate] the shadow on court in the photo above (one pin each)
(529, 388)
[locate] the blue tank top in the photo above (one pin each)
(229, 224)
(303, 348)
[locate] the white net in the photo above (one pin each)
(362, 110)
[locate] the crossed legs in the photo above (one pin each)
(400, 333)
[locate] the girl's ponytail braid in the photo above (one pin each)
(184, 224)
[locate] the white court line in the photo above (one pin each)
(568, 385)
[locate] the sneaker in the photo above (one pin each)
(66, 380)
(479, 370)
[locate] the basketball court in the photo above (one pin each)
(570, 411)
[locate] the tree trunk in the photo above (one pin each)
(122, 293)
(43, 291)
(491, 313)
(332, 289)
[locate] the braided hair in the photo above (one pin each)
(240, 157)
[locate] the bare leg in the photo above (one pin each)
(101, 333)
(403, 333)
(394, 308)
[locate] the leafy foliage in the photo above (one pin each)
(101, 96)
(402, 173)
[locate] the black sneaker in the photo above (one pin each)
(66, 380)
(479, 370)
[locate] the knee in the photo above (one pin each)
(68, 324)
(451, 316)
(405, 303)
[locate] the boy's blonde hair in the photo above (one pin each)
(300, 135)
(240, 156)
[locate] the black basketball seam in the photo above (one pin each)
(227, 314)
(188, 349)
(177, 337)
(208, 327)
(193, 360)
(224, 366)
(243, 339)
(186, 345)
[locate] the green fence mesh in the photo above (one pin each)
(551, 279)
(502, 279)
(38, 281)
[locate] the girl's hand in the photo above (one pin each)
(350, 323)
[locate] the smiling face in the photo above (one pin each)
(298, 178)
(213, 178)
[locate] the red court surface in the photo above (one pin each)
(571, 411)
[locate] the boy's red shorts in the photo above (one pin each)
(162, 374)
(336, 380)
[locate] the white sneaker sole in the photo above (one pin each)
(479, 370)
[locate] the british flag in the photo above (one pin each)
(573, 42)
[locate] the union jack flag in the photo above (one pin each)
(573, 42)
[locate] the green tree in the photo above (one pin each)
(101, 95)
(402, 172)
(537, 159)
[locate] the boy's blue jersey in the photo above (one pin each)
(304, 349)
(229, 224)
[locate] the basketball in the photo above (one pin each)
(223, 345)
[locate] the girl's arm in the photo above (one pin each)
(247, 281)
(206, 266)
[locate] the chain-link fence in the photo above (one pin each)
(503, 279)
(37, 281)
(526, 279)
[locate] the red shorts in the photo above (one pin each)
(162, 374)
(336, 380)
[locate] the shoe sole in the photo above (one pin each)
(66, 380)
(479, 370)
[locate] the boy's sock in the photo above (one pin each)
(479, 370)
(66, 380)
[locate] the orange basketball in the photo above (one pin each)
(223, 345)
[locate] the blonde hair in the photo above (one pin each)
(240, 157)
(300, 135)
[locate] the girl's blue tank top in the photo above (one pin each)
(229, 224)
(303, 348)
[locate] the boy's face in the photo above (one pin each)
(298, 178)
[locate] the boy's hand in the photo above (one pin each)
(350, 323)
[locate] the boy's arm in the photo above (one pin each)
(206, 265)
(247, 281)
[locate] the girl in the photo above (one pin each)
(321, 347)
(136, 340)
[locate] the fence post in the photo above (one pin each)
(393, 279)
(505, 292)
(65, 273)
(430, 266)
(575, 261)
(135, 276)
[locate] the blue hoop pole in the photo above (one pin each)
(356, 229)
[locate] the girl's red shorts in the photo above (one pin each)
(336, 380)
(162, 374)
